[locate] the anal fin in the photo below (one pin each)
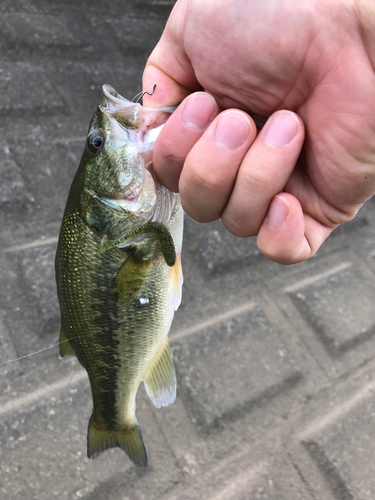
(160, 379)
(66, 348)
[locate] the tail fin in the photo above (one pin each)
(130, 440)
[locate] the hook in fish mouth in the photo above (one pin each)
(137, 98)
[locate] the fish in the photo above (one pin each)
(118, 272)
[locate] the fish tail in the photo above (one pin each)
(130, 440)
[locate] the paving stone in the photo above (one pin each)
(28, 298)
(151, 8)
(14, 5)
(246, 487)
(49, 176)
(136, 8)
(13, 192)
(343, 449)
(40, 98)
(82, 100)
(218, 250)
(339, 308)
(29, 378)
(47, 170)
(38, 278)
(8, 289)
(43, 454)
(244, 476)
(41, 31)
(265, 489)
(254, 367)
(135, 37)
(7, 352)
(3, 44)
(250, 484)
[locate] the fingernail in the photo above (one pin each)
(198, 110)
(280, 129)
(232, 130)
(277, 212)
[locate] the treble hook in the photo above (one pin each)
(141, 94)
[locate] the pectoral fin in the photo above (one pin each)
(131, 277)
(160, 379)
(66, 348)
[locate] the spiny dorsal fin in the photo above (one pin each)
(128, 439)
(160, 379)
(66, 348)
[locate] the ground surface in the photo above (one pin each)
(276, 365)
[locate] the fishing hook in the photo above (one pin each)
(141, 94)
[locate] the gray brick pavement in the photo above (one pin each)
(275, 364)
(247, 377)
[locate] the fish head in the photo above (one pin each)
(118, 156)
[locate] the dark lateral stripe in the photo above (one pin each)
(105, 312)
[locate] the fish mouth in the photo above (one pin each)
(113, 97)
(131, 123)
(133, 115)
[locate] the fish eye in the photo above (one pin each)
(96, 142)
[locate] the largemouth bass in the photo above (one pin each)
(118, 272)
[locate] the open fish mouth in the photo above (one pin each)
(113, 99)
(128, 132)
(146, 122)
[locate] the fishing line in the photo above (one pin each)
(36, 352)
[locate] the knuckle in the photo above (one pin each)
(237, 227)
(202, 178)
(254, 177)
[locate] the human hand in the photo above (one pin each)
(312, 59)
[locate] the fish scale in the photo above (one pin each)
(118, 272)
